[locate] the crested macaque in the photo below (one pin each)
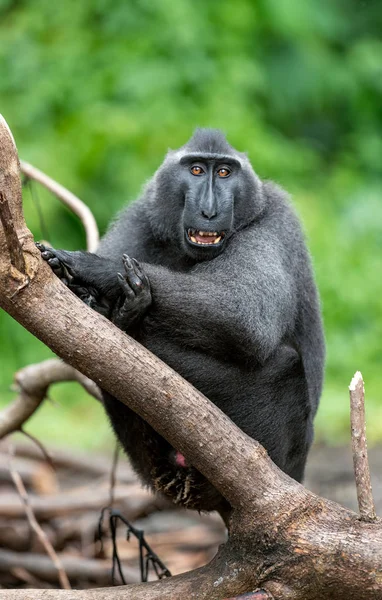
(209, 270)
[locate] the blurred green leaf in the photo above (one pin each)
(96, 93)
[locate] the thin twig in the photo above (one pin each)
(48, 457)
(15, 250)
(113, 473)
(70, 200)
(359, 448)
(63, 578)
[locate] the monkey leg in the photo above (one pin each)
(64, 268)
(136, 297)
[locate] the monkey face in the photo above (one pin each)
(202, 194)
(209, 185)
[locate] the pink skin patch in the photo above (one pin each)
(180, 460)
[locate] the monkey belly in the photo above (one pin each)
(153, 458)
(270, 403)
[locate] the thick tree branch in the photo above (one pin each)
(14, 247)
(34, 380)
(359, 448)
(283, 538)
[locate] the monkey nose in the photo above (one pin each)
(209, 213)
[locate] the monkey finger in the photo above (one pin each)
(127, 263)
(140, 273)
(59, 270)
(58, 260)
(54, 263)
(124, 283)
(64, 257)
(79, 290)
(134, 280)
(134, 273)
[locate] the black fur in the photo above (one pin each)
(239, 319)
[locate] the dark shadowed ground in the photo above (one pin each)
(68, 503)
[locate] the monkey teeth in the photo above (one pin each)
(196, 237)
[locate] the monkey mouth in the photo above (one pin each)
(205, 238)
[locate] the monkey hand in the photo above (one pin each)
(66, 266)
(136, 297)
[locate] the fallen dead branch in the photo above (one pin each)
(96, 464)
(39, 477)
(185, 540)
(32, 382)
(77, 568)
(131, 499)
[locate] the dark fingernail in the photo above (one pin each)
(127, 261)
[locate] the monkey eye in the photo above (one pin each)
(196, 170)
(224, 172)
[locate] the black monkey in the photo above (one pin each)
(220, 287)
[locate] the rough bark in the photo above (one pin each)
(359, 447)
(283, 538)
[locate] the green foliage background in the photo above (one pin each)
(95, 92)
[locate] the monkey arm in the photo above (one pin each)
(119, 290)
(248, 313)
(234, 308)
